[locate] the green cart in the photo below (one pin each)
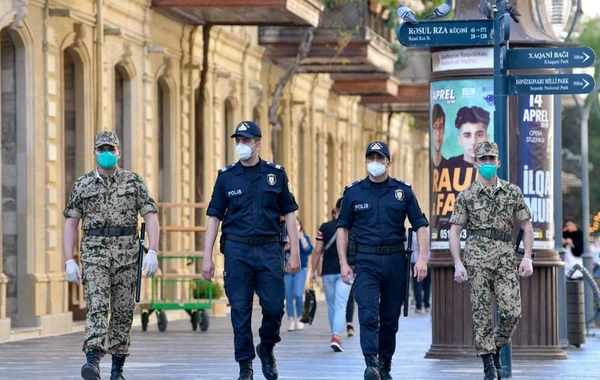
(189, 292)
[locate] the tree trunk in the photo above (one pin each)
(276, 127)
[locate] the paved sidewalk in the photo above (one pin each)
(183, 354)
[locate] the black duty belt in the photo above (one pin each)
(252, 240)
(492, 233)
(382, 250)
(111, 231)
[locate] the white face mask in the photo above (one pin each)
(244, 152)
(376, 169)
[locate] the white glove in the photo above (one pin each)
(460, 273)
(150, 263)
(73, 272)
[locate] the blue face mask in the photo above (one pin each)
(488, 171)
(107, 160)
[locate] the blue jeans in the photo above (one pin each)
(336, 294)
(294, 292)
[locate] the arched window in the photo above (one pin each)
(164, 133)
(123, 113)
(331, 185)
(229, 125)
(12, 170)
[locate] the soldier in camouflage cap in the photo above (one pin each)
(488, 208)
(106, 138)
(108, 200)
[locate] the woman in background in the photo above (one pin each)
(294, 283)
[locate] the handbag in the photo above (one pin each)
(310, 306)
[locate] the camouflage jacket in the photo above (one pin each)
(112, 203)
(498, 207)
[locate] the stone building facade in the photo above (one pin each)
(71, 68)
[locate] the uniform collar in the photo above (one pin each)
(500, 185)
(116, 175)
(238, 169)
(367, 184)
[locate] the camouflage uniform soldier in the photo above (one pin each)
(108, 200)
(489, 207)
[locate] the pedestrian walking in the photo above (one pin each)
(294, 283)
(108, 200)
(488, 208)
(249, 197)
(336, 291)
(377, 207)
(421, 289)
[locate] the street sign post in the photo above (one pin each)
(447, 33)
(550, 84)
(496, 33)
(552, 58)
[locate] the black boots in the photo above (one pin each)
(488, 367)
(372, 370)
(246, 371)
(385, 367)
(116, 372)
(91, 369)
(498, 363)
(267, 359)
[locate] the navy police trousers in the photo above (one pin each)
(379, 291)
(250, 268)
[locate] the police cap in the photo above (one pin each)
(378, 147)
(247, 129)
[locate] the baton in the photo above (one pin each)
(138, 285)
(408, 251)
(521, 251)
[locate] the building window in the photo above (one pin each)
(123, 113)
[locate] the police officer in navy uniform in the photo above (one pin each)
(376, 207)
(250, 196)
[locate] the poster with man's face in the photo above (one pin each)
(461, 116)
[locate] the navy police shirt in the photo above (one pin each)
(250, 200)
(377, 211)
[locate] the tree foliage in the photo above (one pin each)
(589, 37)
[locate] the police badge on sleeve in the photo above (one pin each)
(271, 179)
(399, 194)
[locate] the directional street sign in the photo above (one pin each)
(550, 84)
(552, 58)
(447, 33)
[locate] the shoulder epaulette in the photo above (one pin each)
(402, 182)
(352, 184)
(228, 167)
(274, 165)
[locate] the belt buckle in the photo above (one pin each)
(253, 240)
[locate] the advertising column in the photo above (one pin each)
(461, 115)
(534, 164)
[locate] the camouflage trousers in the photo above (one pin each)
(486, 286)
(109, 277)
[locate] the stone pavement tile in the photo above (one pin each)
(183, 354)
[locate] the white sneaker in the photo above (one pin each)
(292, 326)
(299, 325)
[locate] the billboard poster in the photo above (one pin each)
(461, 115)
(534, 163)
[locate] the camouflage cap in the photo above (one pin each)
(486, 148)
(106, 138)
